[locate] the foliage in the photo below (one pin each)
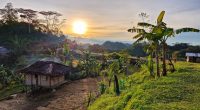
(9, 14)
(90, 65)
(180, 90)
(6, 76)
(102, 87)
(157, 35)
(20, 29)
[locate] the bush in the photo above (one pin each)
(102, 87)
(7, 77)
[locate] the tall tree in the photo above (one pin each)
(147, 34)
(29, 15)
(52, 22)
(9, 14)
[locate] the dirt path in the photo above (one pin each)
(71, 96)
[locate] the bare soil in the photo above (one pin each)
(72, 96)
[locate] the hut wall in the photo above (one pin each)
(43, 80)
(193, 59)
(198, 60)
(57, 80)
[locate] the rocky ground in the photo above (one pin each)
(72, 96)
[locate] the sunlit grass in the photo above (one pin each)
(179, 90)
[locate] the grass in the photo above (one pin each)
(6, 92)
(178, 91)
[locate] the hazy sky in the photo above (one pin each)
(109, 19)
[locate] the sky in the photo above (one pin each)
(110, 19)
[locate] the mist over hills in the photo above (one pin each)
(94, 41)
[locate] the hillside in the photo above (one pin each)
(179, 90)
(115, 46)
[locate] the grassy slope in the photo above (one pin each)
(6, 92)
(179, 90)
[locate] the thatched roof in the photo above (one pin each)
(46, 68)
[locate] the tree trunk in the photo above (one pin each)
(164, 60)
(116, 84)
(109, 82)
(157, 63)
(151, 64)
(172, 66)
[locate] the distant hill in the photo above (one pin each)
(115, 46)
(85, 40)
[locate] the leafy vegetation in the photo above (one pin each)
(180, 90)
(157, 35)
(20, 28)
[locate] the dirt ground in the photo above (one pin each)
(72, 96)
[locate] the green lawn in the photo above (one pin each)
(178, 91)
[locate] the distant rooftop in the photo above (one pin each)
(192, 54)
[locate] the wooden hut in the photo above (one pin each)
(46, 74)
(193, 57)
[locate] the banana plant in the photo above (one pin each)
(148, 34)
(159, 34)
(166, 33)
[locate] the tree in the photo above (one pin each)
(8, 14)
(29, 15)
(18, 44)
(52, 23)
(166, 33)
(150, 36)
(160, 33)
(90, 65)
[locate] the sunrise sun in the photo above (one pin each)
(79, 27)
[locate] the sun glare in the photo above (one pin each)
(79, 27)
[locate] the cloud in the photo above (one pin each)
(187, 10)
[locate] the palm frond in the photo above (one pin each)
(178, 31)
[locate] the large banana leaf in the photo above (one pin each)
(137, 36)
(137, 30)
(157, 30)
(168, 32)
(143, 24)
(138, 40)
(160, 17)
(178, 31)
